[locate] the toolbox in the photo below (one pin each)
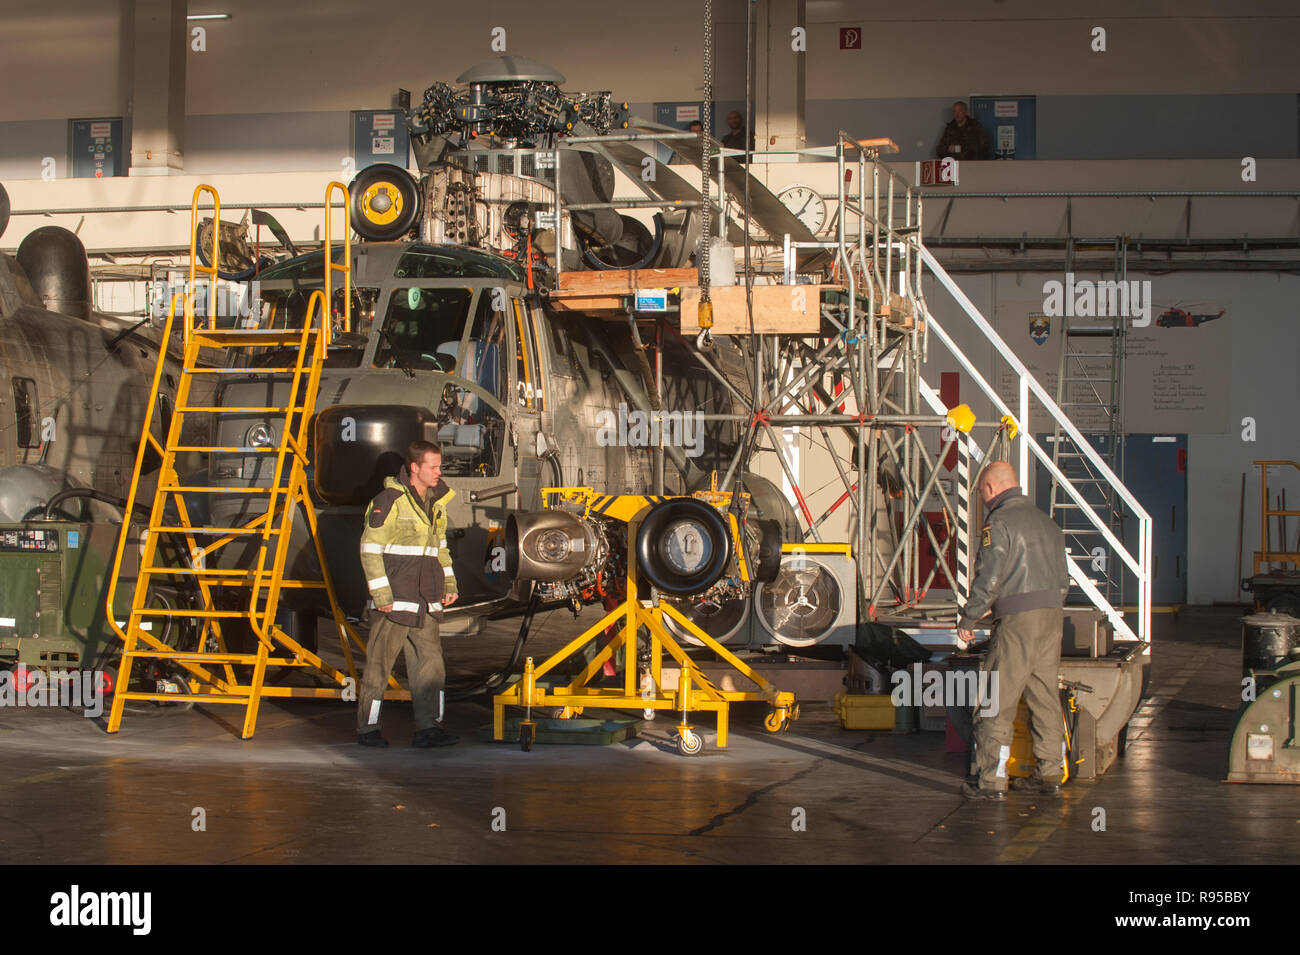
(865, 711)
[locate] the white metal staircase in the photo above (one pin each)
(1137, 557)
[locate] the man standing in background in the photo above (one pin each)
(736, 138)
(964, 138)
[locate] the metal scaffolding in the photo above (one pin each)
(858, 386)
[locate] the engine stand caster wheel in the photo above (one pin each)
(648, 714)
(777, 721)
(689, 743)
(527, 735)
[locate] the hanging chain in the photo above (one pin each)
(706, 143)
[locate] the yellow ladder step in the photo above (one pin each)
(233, 578)
(213, 531)
(205, 614)
(235, 449)
(193, 656)
(213, 572)
(201, 489)
(181, 697)
(279, 370)
(260, 409)
(215, 657)
(248, 582)
(253, 337)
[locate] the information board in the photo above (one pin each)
(96, 148)
(379, 135)
(1010, 121)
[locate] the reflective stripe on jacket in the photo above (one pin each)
(404, 551)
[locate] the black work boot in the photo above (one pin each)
(373, 738)
(1032, 784)
(433, 736)
(973, 791)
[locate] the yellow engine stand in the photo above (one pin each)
(694, 690)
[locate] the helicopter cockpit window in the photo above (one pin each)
(471, 434)
(423, 328)
(26, 413)
(287, 308)
(347, 348)
(310, 266)
(281, 308)
(427, 262)
(484, 364)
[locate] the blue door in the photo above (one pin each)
(1155, 470)
(1010, 121)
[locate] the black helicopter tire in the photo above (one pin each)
(364, 216)
(650, 541)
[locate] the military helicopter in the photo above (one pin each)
(74, 384)
(76, 378)
(451, 345)
(454, 338)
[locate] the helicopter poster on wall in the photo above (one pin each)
(1175, 374)
(1173, 377)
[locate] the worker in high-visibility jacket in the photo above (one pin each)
(408, 572)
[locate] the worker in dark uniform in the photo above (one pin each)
(1021, 579)
(736, 138)
(964, 138)
(408, 572)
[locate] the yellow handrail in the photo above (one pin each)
(331, 267)
(209, 270)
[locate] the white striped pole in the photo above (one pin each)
(964, 488)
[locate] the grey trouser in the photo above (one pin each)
(424, 669)
(1026, 655)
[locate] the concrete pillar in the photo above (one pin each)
(779, 90)
(156, 108)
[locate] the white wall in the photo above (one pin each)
(62, 59)
(1263, 373)
(1178, 80)
(956, 48)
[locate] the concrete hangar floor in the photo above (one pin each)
(302, 791)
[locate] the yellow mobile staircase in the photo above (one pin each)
(208, 668)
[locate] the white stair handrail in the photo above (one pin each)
(1141, 564)
(1080, 578)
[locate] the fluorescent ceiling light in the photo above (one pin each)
(208, 16)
